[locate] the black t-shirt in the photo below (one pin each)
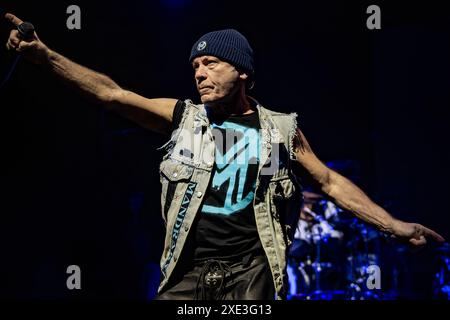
(226, 227)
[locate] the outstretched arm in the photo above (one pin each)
(154, 114)
(349, 197)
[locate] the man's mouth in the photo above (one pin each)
(204, 89)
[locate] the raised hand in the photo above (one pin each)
(33, 49)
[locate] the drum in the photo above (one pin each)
(316, 256)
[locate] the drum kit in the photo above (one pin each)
(332, 254)
(335, 256)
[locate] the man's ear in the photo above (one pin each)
(243, 75)
(250, 83)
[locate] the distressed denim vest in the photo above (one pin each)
(185, 173)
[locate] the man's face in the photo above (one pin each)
(216, 80)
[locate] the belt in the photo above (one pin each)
(212, 278)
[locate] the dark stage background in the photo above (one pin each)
(81, 186)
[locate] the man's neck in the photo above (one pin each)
(239, 105)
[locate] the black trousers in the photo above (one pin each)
(248, 279)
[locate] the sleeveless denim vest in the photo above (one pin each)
(185, 173)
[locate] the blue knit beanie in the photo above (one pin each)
(228, 45)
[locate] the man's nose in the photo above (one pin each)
(200, 74)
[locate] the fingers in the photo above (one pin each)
(9, 45)
(20, 46)
(418, 242)
(23, 46)
(13, 19)
(14, 40)
(14, 37)
(432, 234)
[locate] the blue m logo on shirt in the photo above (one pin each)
(232, 166)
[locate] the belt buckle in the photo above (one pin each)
(213, 277)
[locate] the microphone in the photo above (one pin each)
(26, 32)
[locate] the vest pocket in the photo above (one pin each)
(172, 174)
(175, 172)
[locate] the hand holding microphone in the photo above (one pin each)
(24, 40)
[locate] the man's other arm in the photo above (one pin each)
(349, 197)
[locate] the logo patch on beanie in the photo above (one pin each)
(201, 46)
